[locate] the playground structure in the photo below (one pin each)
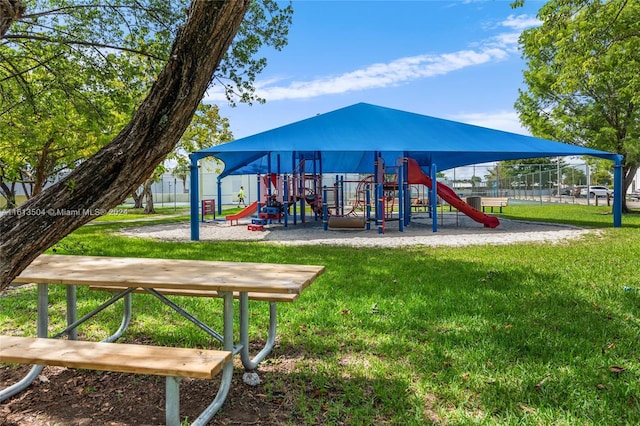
(350, 139)
(246, 212)
(382, 197)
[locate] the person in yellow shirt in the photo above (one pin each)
(241, 197)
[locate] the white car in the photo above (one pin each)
(595, 191)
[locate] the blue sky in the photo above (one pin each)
(454, 59)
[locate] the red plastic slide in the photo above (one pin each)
(417, 176)
(247, 211)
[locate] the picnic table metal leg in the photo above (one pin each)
(247, 362)
(72, 311)
(18, 387)
(42, 331)
(172, 401)
(227, 370)
(43, 311)
(93, 313)
(126, 319)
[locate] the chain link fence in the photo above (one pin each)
(547, 183)
(541, 182)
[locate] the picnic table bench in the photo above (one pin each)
(159, 277)
(494, 202)
(420, 204)
(174, 363)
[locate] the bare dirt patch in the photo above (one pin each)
(69, 397)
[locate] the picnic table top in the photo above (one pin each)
(170, 274)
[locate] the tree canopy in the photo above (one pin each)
(582, 80)
(101, 182)
(207, 129)
(73, 73)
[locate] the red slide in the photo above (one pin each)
(417, 176)
(247, 211)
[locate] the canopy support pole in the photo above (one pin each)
(433, 206)
(617, 193)
(285, 200)
(193, 199)
(401, 195)
(406, 189)
(219, 196)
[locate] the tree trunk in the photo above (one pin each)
(104, 180)
(40, 173)
(628, 175)
(148, 197)
(9, 194)
(137, 199)
(10, 10)
(27, 184)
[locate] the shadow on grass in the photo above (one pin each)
(583, 223)
(487, 334)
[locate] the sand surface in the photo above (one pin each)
(453, 230)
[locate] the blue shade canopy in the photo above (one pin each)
(346, 141)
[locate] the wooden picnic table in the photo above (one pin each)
(170, 274)
(158, 277)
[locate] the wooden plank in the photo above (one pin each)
(170, 273)
(264, 297)
(495, 202)
(124, 358)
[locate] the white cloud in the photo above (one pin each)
(520, 22)
(396, 72)
(500, 120)
(383, 75)
(375, 76)
(506, 41)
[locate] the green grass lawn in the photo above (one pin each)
(128, 213)
(525, 334)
